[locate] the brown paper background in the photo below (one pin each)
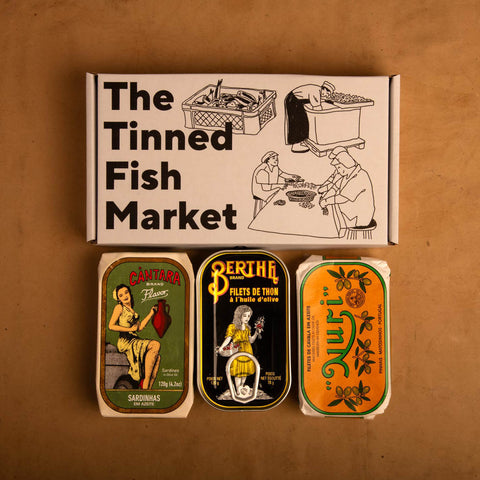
(50, 426)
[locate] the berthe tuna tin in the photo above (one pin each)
(243, 330)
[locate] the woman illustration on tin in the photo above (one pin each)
(239, 333)
(143, 354)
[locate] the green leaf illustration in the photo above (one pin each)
(335, 402)
(334, 274)
(350, 405)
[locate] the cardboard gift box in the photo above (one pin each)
(203, 160)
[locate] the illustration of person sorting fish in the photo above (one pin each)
(296, 117)
(318, 118)
(343, 202)
(268, 179)
(325, 122)
(349, 188)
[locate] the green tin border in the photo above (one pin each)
(387, 340)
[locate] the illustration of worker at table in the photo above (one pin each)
(343, 204)
(349, 188)
(296, 119)
(268, 179)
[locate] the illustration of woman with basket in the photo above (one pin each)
(143, 354)
(238, 338)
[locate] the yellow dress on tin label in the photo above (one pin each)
(241, 366)
(133, 347)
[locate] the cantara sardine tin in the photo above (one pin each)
(344, 337)
(145, 335)
(243, 330)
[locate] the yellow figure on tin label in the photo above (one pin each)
(239, 333)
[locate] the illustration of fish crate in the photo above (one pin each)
(247, 109)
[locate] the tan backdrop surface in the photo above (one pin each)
(50, 426)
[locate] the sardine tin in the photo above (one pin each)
(156, 291)
(344, 337)
(243, 330)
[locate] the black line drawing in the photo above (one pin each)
(349, 188)
(319, 119)
(248, 110)
(341, 205)
(268, 179)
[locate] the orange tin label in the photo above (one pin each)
(343, 335)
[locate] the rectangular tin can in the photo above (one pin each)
(344, 337)
(243, 330)
(145, 335)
